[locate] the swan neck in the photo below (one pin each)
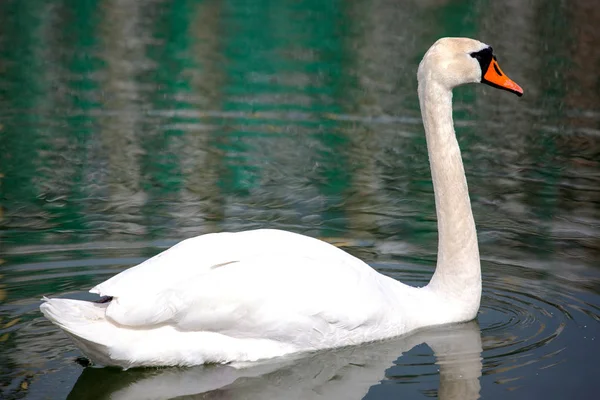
(458, 272)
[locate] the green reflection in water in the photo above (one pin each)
(20, 92)
(161, 164)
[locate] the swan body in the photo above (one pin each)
(239, 297)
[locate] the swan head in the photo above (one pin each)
(456, 61)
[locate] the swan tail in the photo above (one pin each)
(85, 323)
(109, 344)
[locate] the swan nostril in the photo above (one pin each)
(497, 70)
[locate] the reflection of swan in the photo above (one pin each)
(260, 294)
(345, 373)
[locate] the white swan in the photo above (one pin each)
(237, 297)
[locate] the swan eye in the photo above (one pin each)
(484, 57)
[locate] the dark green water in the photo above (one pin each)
(126, 126)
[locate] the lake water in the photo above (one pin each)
(127, 126)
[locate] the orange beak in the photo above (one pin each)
(496, 78)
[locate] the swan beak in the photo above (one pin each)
(496, 78)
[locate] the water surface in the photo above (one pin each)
(127, 126)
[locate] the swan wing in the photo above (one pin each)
(202, 254)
